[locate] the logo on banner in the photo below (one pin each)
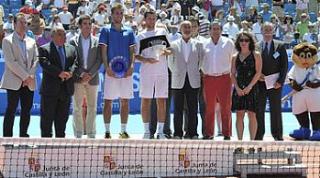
(183, 158)
(108, 162)
(34, 162)
(113, 168)
(195, 167)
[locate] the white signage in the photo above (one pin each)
(126, 160)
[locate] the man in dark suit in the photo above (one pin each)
(275, 65)
(58, 61)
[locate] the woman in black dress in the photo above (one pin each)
(245, 72)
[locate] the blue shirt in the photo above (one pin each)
(266, 16)
(22, 46)
(118, 42)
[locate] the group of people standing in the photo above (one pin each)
(193, 68)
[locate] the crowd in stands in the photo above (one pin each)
(294, 21)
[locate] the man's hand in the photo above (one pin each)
(277, 85)
(166, 52)
(150, 60)
(28, 81)
(129, 72)
(261, 77)
(65, 75)
(86, 77)
(110, 72)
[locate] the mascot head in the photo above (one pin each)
(305, 55)
(35, 22)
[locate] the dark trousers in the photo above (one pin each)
(26, 100)
(66, 26)
(73, 9)
(274, 96)
(54, 110)
(202, 107)
(191, 96)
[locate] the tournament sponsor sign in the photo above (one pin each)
(117, 159)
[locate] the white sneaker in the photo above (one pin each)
(161, 136)
(146, 136)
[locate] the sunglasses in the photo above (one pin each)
(244, 40)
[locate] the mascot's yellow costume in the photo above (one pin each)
(304, 79)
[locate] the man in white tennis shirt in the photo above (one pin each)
(153, 72)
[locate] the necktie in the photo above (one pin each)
(266, 50)
(62, 56)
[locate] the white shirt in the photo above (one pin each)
(186, 48)
(174, 37)
(9, 27)
(58, 3)
(65, 17)
(85, 9)
(200, 39)
(217, 2)
(299, 74)
(250, 3)
(176, 5)
(217, 58)
(176, 19)
(100, 18)
(159, 68)
(153, 3)
(85, 50)
(256, 30)
(232, 30)
(69, 36)
(302, 4)
(310, 38)
(46, 2)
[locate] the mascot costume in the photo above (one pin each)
(304, 79)
(35, 23)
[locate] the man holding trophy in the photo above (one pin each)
(151, 46)
(117, 49)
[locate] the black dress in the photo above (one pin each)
(245, 73)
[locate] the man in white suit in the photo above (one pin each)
(20, 54)
(185, 78)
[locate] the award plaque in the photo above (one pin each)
(119, 66)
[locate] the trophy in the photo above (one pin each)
(119, 66)
(158, 50)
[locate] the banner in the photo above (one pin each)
(118, 159)
(134, 103)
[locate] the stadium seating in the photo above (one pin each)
(313, 17)
(289, 8)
